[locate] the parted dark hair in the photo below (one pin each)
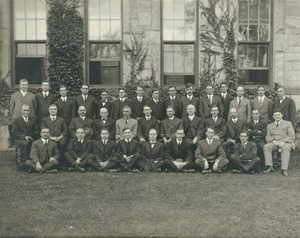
(121, 89)
(276, 110)
(244, 131)
(188, 85)
(154, 89)
(210, 127)
(126, 128)
(104, 129)
(172, 86)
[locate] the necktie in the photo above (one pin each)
(215, 119)
(53, 118)
(209, 142)
(26, 119)
(223, 95)
(260, 100)
(240, 101)
(127, 147)
(277, 124)
(190, 118)
(152, 144)
(147, 118)
(281, 100)
(210, 99)
(47, 157)
(244, 146)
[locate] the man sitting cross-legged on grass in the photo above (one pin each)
(244, 158)
(129, 152)
(153, 152)
(104, 151)
(44, 154)
(179, 155)
(79, 151)
(210, 154)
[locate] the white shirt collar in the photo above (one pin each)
(44, 141)
(83, 118)
(191, 117)
(80, 140)
(104, 101)
(190, 97)
(84, 96)
(148, 117)
(224, 94)
(283, 97)
(234, 120)
(171, 118)
(23, 93)
(64, 98)
(25, 118)
(208, 140)
(152, 142)
(104, 141)
(127, 140)
(261, 97)
(172, 97)
(139, 97)
(155, 100)
(46, 93)
(122, 99)
(53, 117)
(178, 141)
(256, 121)
(215, 118)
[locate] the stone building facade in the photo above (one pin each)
(173, 53)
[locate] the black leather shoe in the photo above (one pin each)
(236, 171)
(51, 171)
(206, 171)
(284, 172)
(269, 170)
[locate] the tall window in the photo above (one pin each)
(179, 36)
(29, 39)
(254, 41)
(104, 35)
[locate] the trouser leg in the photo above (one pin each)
(285, 155)
(199, 165)
(236, 162)
(51, 165)
(268, 149)
(30, 165)
(224, 162)
(227, 146)
(70, 159)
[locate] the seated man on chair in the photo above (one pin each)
(44, 154)
(24, 132)
(280, 136)
(244, 158)
(209, 154)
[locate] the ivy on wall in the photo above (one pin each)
(65, 44)
(217, 42)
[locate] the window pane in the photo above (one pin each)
(115, 10)
(30, 30)
(190, 10)
(168, 47)
(189, 30)
(264, 32)
(31, 49)
(19, 9)
(168, 62)
(178, 79)
(178, 9)
(263, 56)
(178, 62)
(41, 49)
(115, 30)
(105, 30)
(168, 30)
(105, 72)
(30, 68)
(243, 11)
(252, 56)
(20, 30)
(105, 51)
(242, 56)
(94, 10)
(168, 9)
(30, 9)
(264, 11)
(242, 33)
(41, 30)
(104, 9)
(253, 11)
(250, 77)
(189, 62)
(179, 30)
(41, 9)
(21, 49)
(253, 33)
(94, 30)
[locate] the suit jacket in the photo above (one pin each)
(205, 106)
(134, 147)
(20, 128)
(89, 104)
(77, 122)
(121, 124)
(17, 101)
(210, 152)
(288, 109)
(196, 127)
(257, 132)
(144, 127)
(233, 129)
(157, 109)
(243, 110)
(66, 110)
(169, 127)
(117, 107)
(265, 108)
(157, 153)
(38, 151)
(226, 103)
(173, 151)
(176, 103)
(247, 153)
(185, 102)
(137, 107)
(57, 127)
(100, 105)
(219, 126)
(80, 150)
(98, 124)
(42, 105)
(283, 133)
(103, 153)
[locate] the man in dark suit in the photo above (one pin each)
(193, 126)
(81, 122)
(233, 129)
(242, 105)
(79, 151)
(170, 125)
(24, 132)
(153, 152)
(104, 152)
(145, 124)
(286, 105)
(58, 128)
(156, 105)
(43, 101)
(129, 153)
(103, 103)
(263, 104)
(137, 103)
(86, 100)
(257, 130)
(209, 154)
(104, 122)
(117, 105)
(189, 99)
(244, 158)
(172, 100)
(20, 98)
(280, 137)
(66, 107)
(209, 101)
(226, 98)
(218, 123)
(126, 122)
(179, 156)
(44, 155)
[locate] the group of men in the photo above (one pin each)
(205, 134)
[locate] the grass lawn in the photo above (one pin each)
(141, 204)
